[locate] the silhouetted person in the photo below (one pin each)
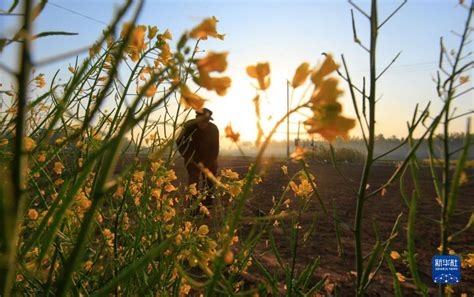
(199, 143)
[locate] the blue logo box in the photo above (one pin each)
(446, 269)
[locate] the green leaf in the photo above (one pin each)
(393, 271)
(411, 246)
(51, 33)
(14, 5)
(127, 272)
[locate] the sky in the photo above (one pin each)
(285, 34)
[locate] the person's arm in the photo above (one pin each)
(214, 153)
(182, 141)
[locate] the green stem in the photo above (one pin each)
(446, 179)
(370, 152)
(18, 173)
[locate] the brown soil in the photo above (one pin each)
(382, 210)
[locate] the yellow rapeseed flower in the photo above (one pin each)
(203, 230)
(394, 255)
(401, 278)
(184, 289)
(218, 84)
(94, 50)
(155, 166)
(326, 93)
(260, 72)
(178, 239)
(298, 154)
(138, 176)
(463, 79)
(169, 214)
(41, 157)
(32, 214)
(170, 188)
(205, 29)
(126, 27)
(150, 91)
(165, 54)
(303, 190)
(191, 99)
(40, 81)
(88, 265)
(152, 30)
(448, 290)
(229, 174)
(204, 210)
(229, 133)
(327, 119)
(58, 168)
(301, 74)
(229, 257)
(329, 130)
(213, 62)
(30, 144)
(171, 175)
(327, 68)
(192, 189)
(107, 233)
(138, 38)
(167, 35)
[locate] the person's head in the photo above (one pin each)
(203, 117)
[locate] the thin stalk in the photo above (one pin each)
(370, 152)
(18, 173)
(446, 169)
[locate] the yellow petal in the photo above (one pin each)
(213, 62)
(167, 35)
(260, 72)
(126, 27)
(40, 81)
(394, 255)
(58, 168)
(252, 71)
(327, 92)
(401, 277)
(150, 92)
(30, 144)
(203, 230)
(32, 214)
(463, 79)
(298, 154)
(191, 99)
(328, 66)
(205, 29)
(152, 30)
(221, 84)
(331, 128)
(218, 84)
(229, 133)
(301, 74)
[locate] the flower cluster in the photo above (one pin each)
(327, 119)
(212, 62)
